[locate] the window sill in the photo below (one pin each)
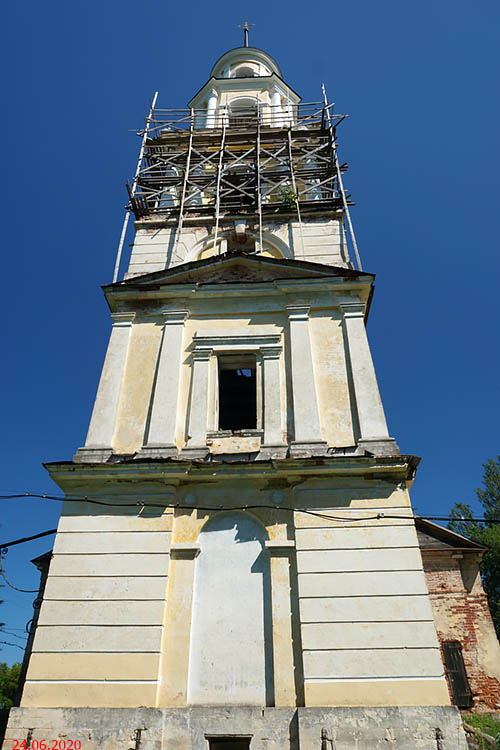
(218, 434)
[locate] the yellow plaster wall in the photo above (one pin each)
(328, 361)
(330, 374)
(377, 693)
(137, 387)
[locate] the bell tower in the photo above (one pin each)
(237, 560)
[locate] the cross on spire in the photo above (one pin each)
(245, 26)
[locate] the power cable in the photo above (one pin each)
(143, 504)
(27, 539)
(10, 633)
(6, 643)
(2, 571)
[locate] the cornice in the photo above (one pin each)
(157, 473)
(244, 84)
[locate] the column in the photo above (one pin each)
(307, 428)
(283, 656)
(198, 409)
(98, 446)
(276, 108)
(161, 434)
(374, 435)
(272, 444)
(211, 109)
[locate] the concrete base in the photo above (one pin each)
(306, 449)
(379, 446)
(158, 451)
(95, 455)
(370, 728)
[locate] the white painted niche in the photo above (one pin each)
(231, 629)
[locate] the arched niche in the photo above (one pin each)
(231, 628)
(272, 246)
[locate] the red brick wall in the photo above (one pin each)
(461, 613)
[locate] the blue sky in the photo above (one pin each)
(420, 83)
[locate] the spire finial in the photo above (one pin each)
(245, 26)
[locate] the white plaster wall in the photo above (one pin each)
(317, 240)
(229, 657)
(102, 614)
(364, 607)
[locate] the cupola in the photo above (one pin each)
(245, 84)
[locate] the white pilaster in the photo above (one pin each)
(273, 445)
(98, 446)
(162, 426)
(281, 552)
(374, 435)
(211, 108)
(276, 108)
(307, 428)
(198, 410)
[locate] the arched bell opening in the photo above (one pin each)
(243, 112)
(244, 71)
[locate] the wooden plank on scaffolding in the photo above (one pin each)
(259, 194)
(294, 186)
(217, 184)
(184, 186)
(339, 178)
(134, 185)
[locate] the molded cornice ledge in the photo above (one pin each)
(185, 550)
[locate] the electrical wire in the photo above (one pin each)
(6, 643)
(27, 539)
(141, 503)
(2, 573)
(10, 633)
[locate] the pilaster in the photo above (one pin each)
(283, 656)
(198, 408)
(374, 435)
(160, 441)
(98, 446)
(307, 427)
(272, 445)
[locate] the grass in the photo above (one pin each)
(487, 723)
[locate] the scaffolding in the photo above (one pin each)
(247, 164)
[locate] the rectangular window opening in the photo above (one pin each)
(237, 392)
(229, 743)
(457, 676)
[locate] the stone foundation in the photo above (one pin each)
(371, 728)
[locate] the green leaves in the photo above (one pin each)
(9, 677)
(489, 535)
(288, 198)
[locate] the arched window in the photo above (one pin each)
(244, 71)
(231, 631)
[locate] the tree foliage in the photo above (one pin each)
(9, 677)
(485, 533)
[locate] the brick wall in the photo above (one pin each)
(461, 613)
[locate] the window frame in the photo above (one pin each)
(258, 393)
(237, 342)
